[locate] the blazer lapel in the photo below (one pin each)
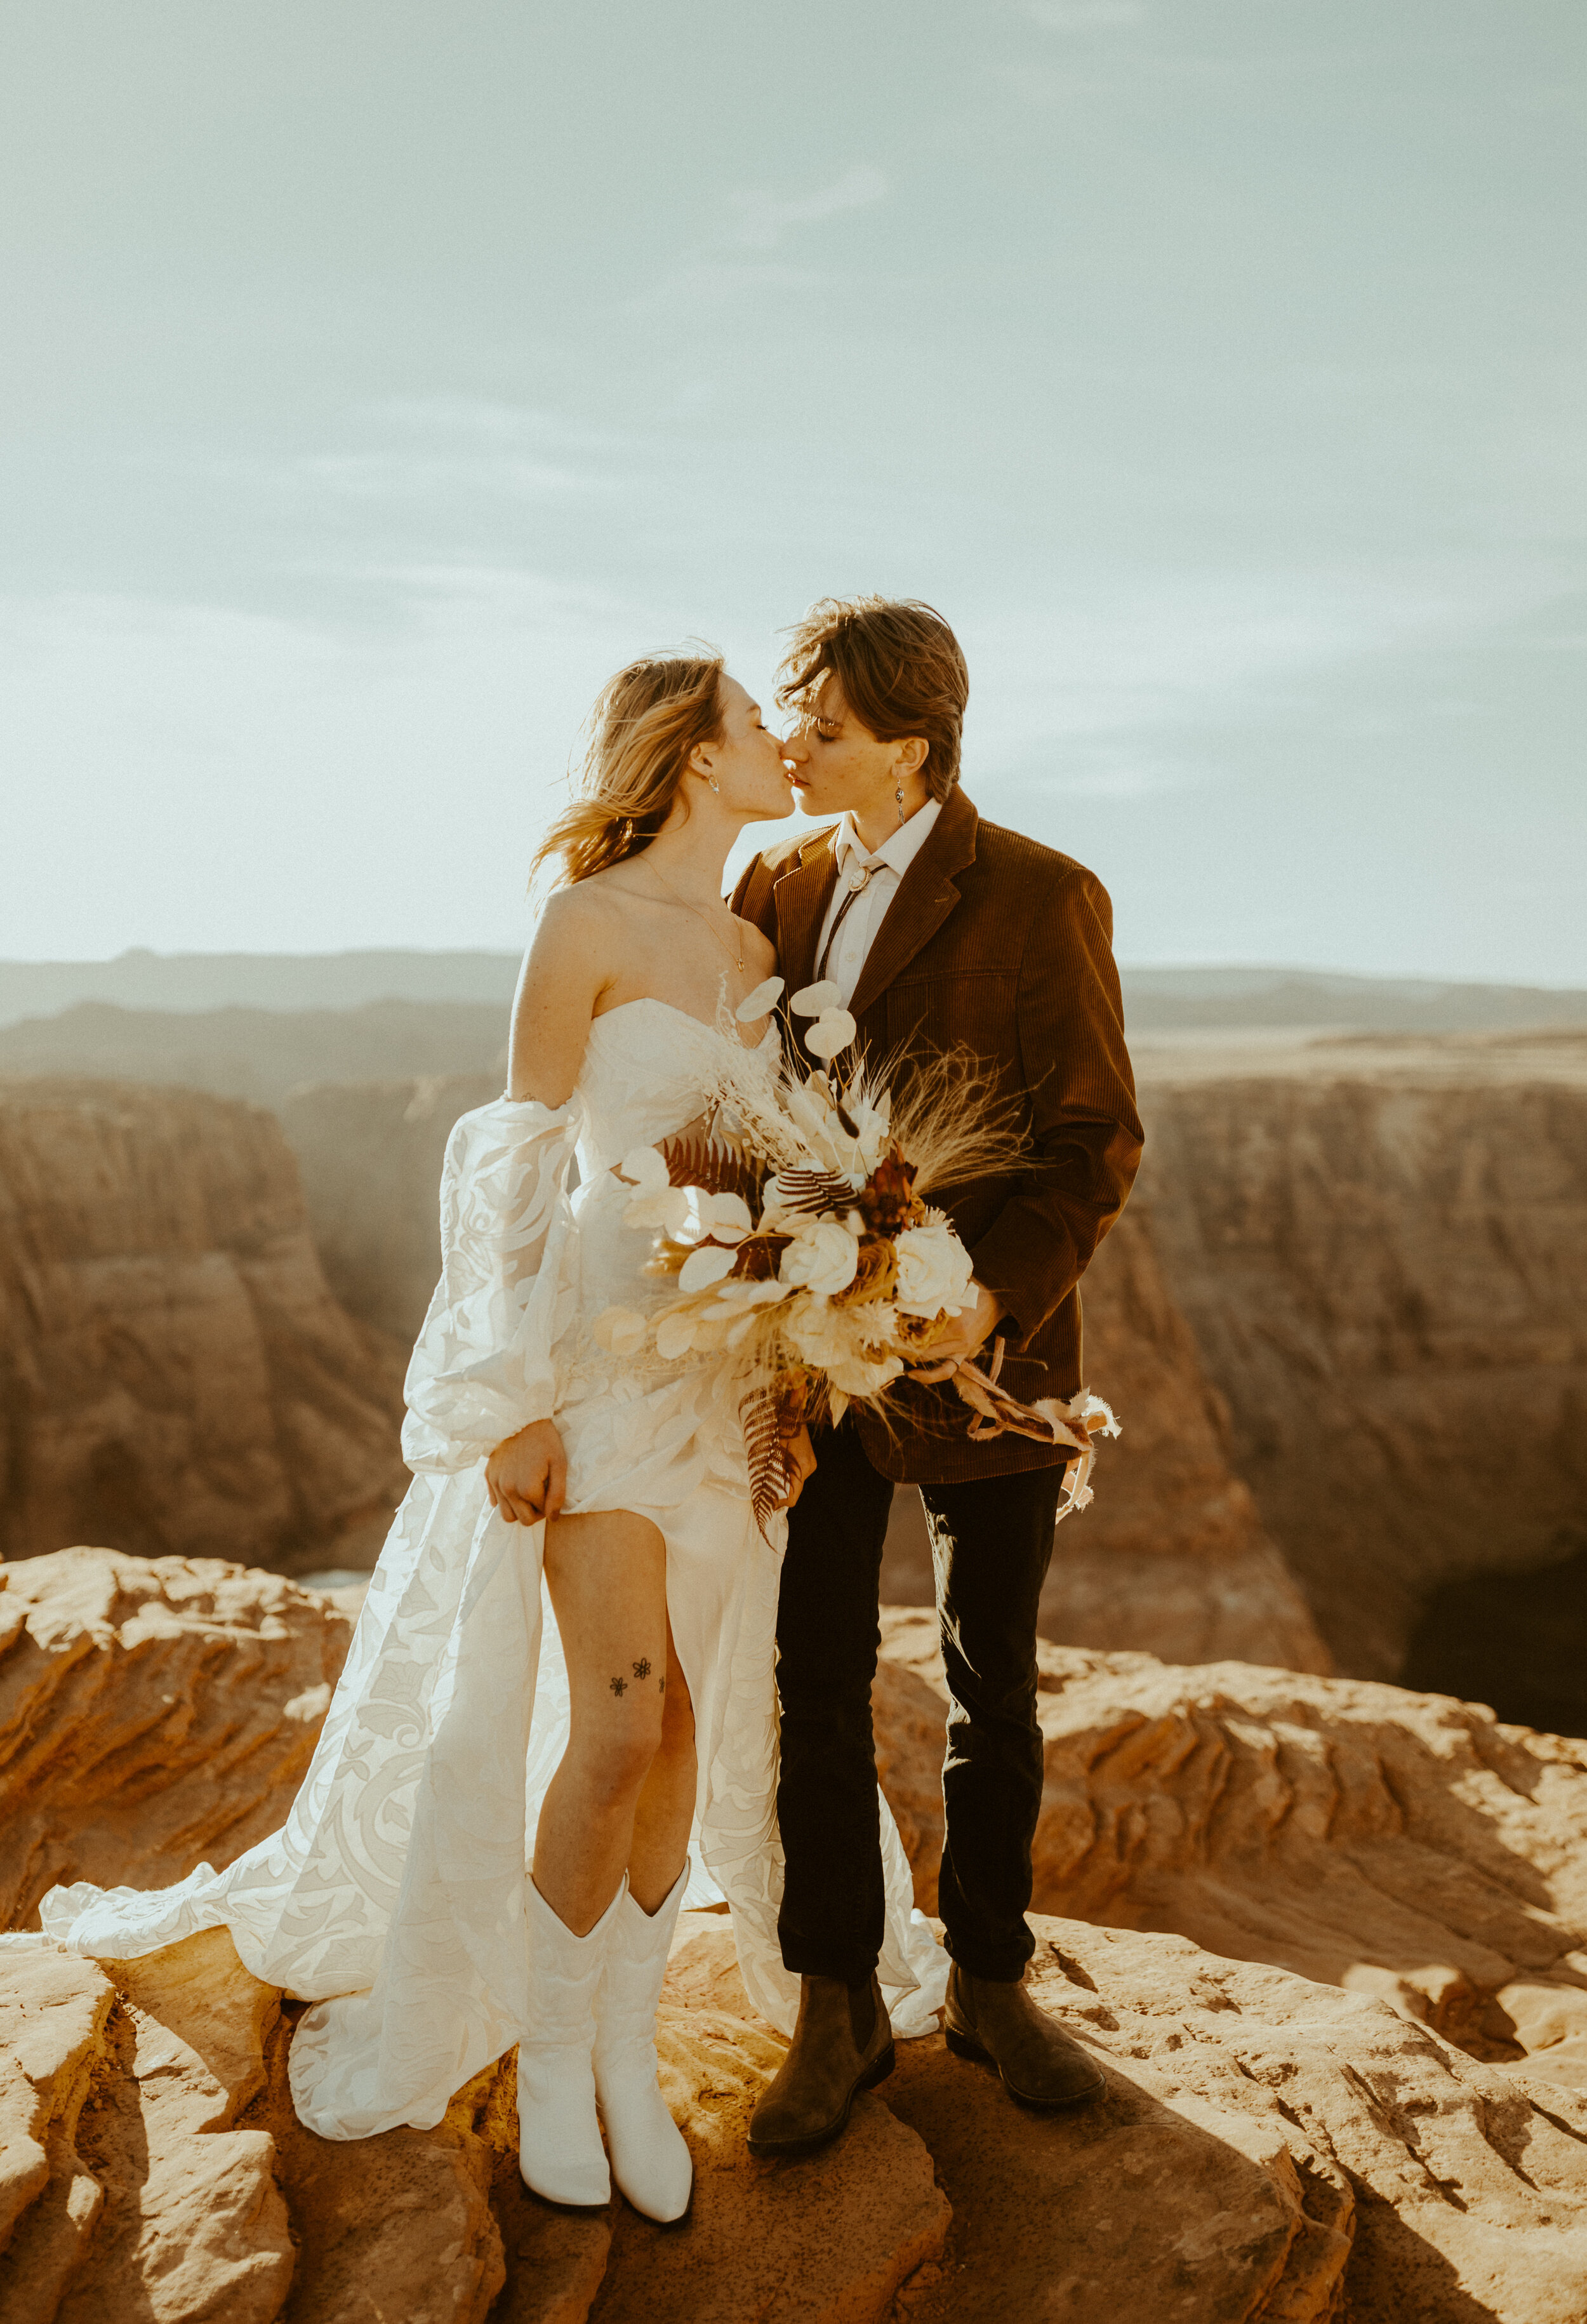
(926, 895)
(802, 896)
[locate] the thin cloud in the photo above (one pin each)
(762, 220)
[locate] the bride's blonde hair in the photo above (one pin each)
(644, 725)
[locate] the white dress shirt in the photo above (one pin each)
(866, 914)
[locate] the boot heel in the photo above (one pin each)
(962, 2046)
(879, 2070)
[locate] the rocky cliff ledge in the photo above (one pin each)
(175, 1375)
(1275, 2148)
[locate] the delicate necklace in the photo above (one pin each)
(699, 915)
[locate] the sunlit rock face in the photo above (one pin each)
(1387, 1280)
(154, 1714)
(1326, 1940)
(176, 1377)
(1390, 1843)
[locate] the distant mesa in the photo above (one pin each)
(1157, 1000)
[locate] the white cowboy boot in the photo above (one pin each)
(649, 2160)
(559, 2147)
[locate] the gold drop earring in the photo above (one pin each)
(898, 795)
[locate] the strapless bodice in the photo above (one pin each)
(648, 1070)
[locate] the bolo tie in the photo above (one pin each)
(857, 881)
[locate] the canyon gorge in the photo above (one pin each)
(1319, 1912)
(1341, 1320)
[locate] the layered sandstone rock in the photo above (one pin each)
(175, 1375)
(153, 2167)
(1273, 2147)
(1386, 1272)
(1170, 1558)
(1404, 1845)
(154, 1716)
(370, 1156)
(1266, 2150)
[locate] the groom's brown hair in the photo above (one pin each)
(900, 667)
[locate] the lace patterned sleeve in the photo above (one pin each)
(485, 1363)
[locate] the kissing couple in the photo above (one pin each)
(604, 1671)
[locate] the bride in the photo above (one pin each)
(567, 1649)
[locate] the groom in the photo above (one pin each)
(942, 932)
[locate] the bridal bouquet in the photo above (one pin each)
(798, 1236)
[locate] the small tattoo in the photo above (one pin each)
(619, 1686)
(661, 1682)
(641, 1670)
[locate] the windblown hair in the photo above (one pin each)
(900, 667)
(644, 725)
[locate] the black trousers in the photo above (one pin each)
(991, 1543)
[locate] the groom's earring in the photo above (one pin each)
(898, 795)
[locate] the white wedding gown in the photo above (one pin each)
(393, 1897)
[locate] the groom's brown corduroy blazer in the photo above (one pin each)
(996, 945)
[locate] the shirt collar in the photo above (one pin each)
(897, 850)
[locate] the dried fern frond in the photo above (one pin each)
(812, 1190)
(761, 1412)
(715, 1167)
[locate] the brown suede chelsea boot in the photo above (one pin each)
(1040, 2065)
(842, 2043)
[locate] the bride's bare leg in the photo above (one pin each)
(607, 1576)
(665, 1812)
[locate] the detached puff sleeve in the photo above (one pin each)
(485, 1363)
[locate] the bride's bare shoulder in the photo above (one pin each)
(576, 915)
(759, 949)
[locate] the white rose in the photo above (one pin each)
(822, 1258)
(934, 1270)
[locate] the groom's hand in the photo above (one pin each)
(526, 1475)
(968, 1331)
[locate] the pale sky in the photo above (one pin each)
(375, 379)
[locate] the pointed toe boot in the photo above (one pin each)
(1000, 2024)
(842, 2044)
(649, 2160)
(560, 2153)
